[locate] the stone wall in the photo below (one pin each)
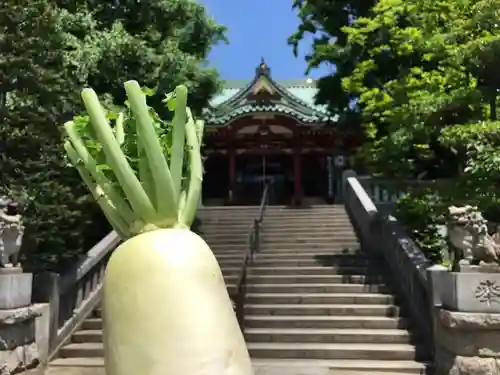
(467, 343)
(23, 338)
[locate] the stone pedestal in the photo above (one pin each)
(473, 289)
(18, 347)
(15, 288)
(467, 343)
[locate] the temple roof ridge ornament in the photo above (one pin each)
(263, 69)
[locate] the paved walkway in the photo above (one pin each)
(259, 370)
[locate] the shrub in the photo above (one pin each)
(422, 213)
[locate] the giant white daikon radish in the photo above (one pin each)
(166, 308)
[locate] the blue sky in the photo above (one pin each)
(258, 28)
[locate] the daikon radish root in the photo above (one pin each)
(166, 308)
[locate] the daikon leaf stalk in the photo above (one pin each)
(133, 162)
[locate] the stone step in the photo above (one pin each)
(307, 231)
(317, 288)
(278, 223)
(311, 261)
(306, 254)
(235, 208)
(279, 252)
(236, 215)
(280, 232)
(306, 279)
(267, 367)
(336, 245)
(237, 229)
(81, 365)
(279, 247)
(335, 214)
(284, 350)
(325, 214)
(320, 298)
(91, 324)
(300, 321)
(214, 242)
(82, 350)
(289, 263)
(314, 270)
(271, 216)
(223, 247)
(230, 271)
(230, 256)
(243, 229)
(310, 309)
(274, 208)
(225, 263)
(304, 223)
(283, 238)
(336, 367)
(312, 335)
(388, 352)
(321, 321)
(323, 257)
(90, 335)
(272, 240)
(324, 335)
(338, 211)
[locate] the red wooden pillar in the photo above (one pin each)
(297, 178)
(232, 174)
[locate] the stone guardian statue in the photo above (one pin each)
(11, 233)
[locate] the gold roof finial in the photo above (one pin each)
(263, 69)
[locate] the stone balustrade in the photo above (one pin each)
(456, 314)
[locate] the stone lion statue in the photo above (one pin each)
(469, 239)
(11, 233)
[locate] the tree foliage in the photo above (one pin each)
(427, 93)
(325, 20)
(51, 49)
(425, 68)
(439, 81)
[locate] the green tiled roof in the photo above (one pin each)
(274, 108)
(297, 100)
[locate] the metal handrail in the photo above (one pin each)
(253, 248)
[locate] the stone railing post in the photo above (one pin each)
(20, 320)
(345, 175)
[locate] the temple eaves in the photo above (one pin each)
(295, 98)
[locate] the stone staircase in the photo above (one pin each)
(314, 299)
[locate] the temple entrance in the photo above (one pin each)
(253, 171)
(314, 176)
(216, 179)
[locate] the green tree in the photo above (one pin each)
(159, 43)
(51, 49)
(37, 92)
(436, 116)
(427, 95)
(445, 58)
(325, 20)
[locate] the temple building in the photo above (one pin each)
(267, 130)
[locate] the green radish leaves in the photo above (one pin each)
(126, 153)
(170, 100)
